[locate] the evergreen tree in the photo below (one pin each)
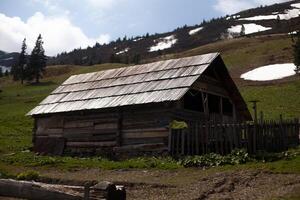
(18, 70)
(37, 61)
(136, 58)
(296, 52)
(278, 22)
(6, 73)
(1, 72)
(243, 30)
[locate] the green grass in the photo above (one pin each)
(16, 100)
(29, 159)
(275, 99)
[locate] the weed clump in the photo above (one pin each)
(238, 156)
(28, 176)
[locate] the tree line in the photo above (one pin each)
(30, 68)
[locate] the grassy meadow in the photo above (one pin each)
(241, 54)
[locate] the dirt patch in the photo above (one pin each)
(194, 183)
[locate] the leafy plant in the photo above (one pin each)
(28, 175)
(238, 156)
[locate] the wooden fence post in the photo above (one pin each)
(170, 141)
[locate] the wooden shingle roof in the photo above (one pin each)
(161, 81)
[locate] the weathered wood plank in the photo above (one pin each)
(91, 144)
(129, 135)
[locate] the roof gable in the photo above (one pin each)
(148, 83)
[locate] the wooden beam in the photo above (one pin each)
(91, 144)
(221, 108)
(119, 129)
(209, 88)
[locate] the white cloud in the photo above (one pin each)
(234, 6)
(58, 33)
(102, 4)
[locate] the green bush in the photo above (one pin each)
(238, 156)
(28, 175)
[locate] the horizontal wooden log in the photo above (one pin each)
(34, 191)
(106, 126)
(139, 130)
(134, 141)
(91, 144)
(78, 124)
(148, 134)
(50, 131)
(87, 131)
(98, 138)
(212, 89)
(38, 191)
(141, 147)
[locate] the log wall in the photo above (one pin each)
(138, 130)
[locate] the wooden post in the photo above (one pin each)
(255, 124)
(197, 131)
(119, 129)
(170, 141)
(261, 117)
(221, 108)
(182, 131)
(86, 191)
(282, 134)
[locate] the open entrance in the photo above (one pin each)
(193, 101)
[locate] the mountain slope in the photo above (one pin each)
(279, 18)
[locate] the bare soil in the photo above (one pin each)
(193, 183)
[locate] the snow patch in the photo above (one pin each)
(137, 39)
(233, 17)
(260, 17)
(249, 28)
(296, 5)
(123, 51)
(10, 58)
(194, 31)
(163, 43)
(270, 72)
(287, 15)
(4, 69)
(293, 33)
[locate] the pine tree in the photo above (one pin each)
(136, 58)
(243, 30)
(1, 72)
(296, 52)
(18, 70)
(37, 61)
(278, 22)
(6, 73)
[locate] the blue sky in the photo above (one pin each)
(68, 24)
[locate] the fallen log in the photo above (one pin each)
(37, 190)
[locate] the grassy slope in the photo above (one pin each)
(16, 100)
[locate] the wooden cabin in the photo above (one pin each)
(129, 110)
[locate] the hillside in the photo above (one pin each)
(154, 178)
(280, 18)
(275, 19)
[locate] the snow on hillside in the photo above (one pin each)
(296, 5)
(270, 72)
(10, 58)
(194, 31)
(249, 28)
(287, 15)
(123, 51)
(137, 39)
(4, 68)
(163, 43)
(233, 17)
